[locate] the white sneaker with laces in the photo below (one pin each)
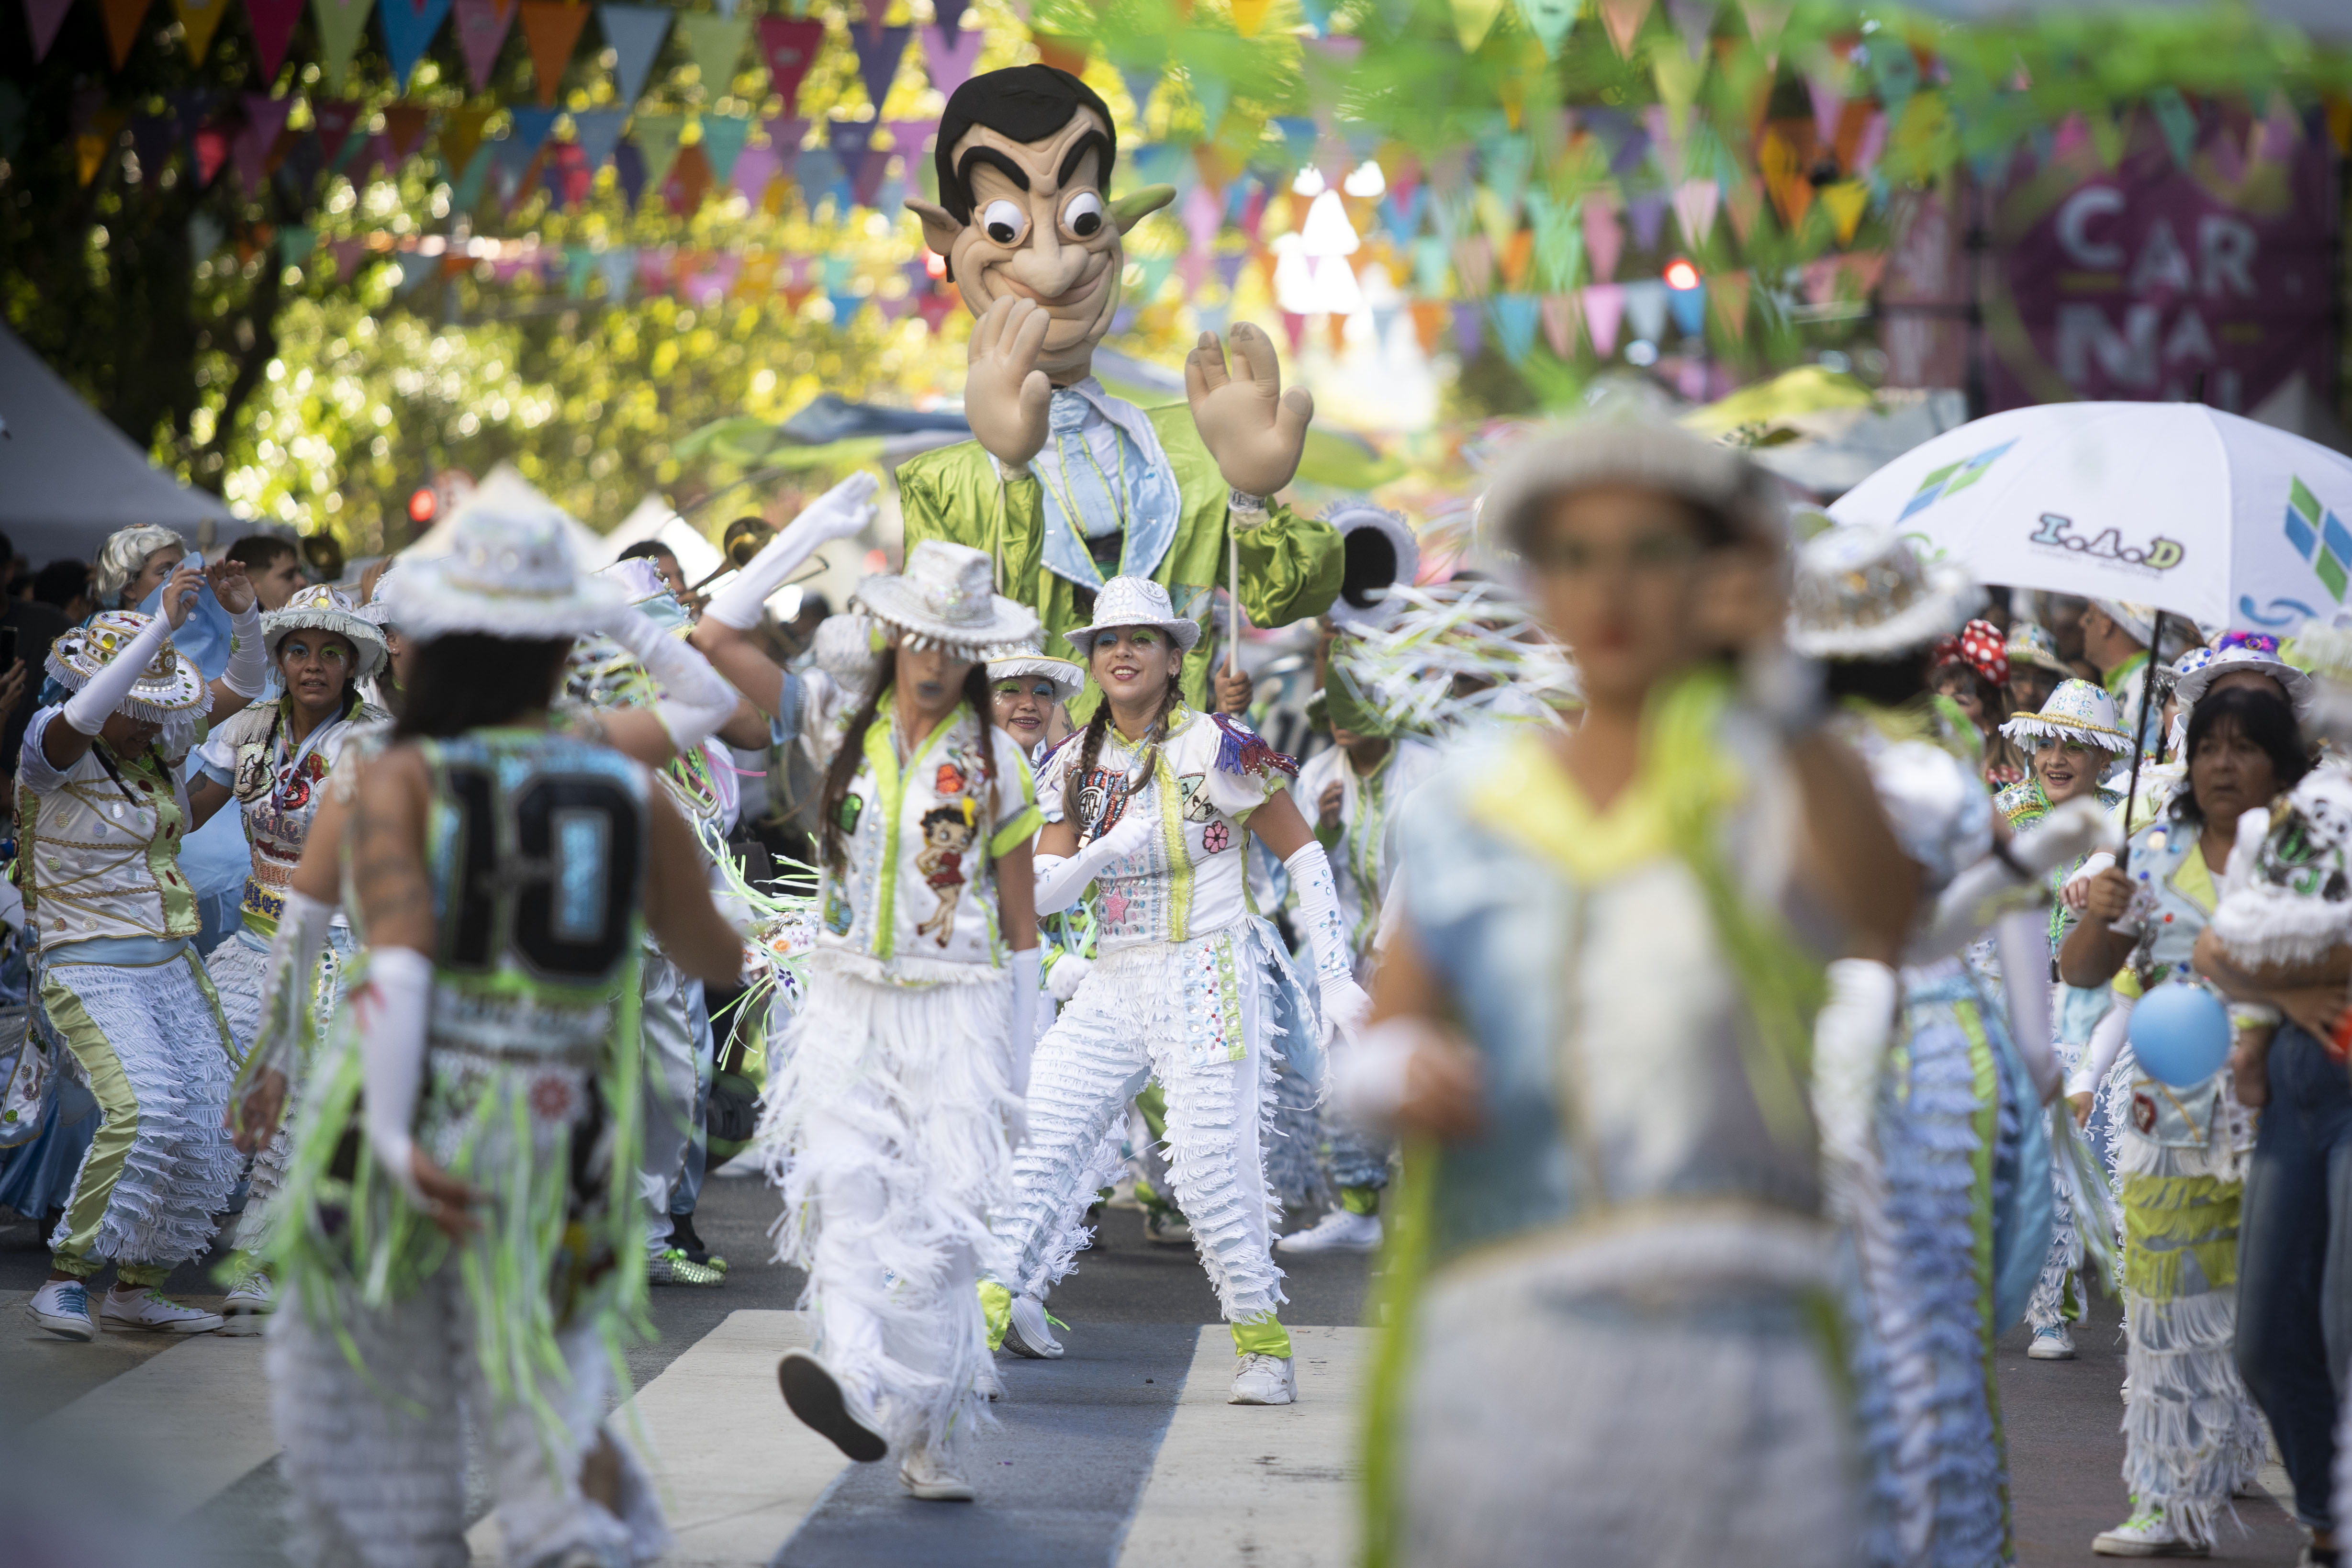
(253, 1294)
(927, 1476)
(1265, 1380)
(1027, 1333)
(158, 1313)
(62, 1307)
(1341, 1230)
(2051, 1342)
(2146, 1534)
(826, 1404)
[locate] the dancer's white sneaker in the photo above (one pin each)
(2052, 1343)
(927, 1476)
(2146, 1534)
(252, 1295)
(62, 1307)
(1265, 1380)
(825, 1406)
(1341, 1230)
(158, 1313)
(1027, 1333)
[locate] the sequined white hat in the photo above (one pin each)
(1026, 658)
(1134, 602)
(509, 574)
(2257, 652)
(167, 692)
(1862, 591)
(324, 607)
(947, 595)
(2077, 711)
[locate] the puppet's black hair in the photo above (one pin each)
(1027, 103)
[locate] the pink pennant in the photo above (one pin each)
(482, 27)
(1192, 267)
(1873, 143)
(1204, 215)
(42, 18)
(1604, 307)
(950, 58)
(1604, 238)
(1820, 279)
(273, 28)
(1828, 104)
(1663, 141)
(346, 253)
(2073, 131)
(1694, 204)
(265, 116)
(756, 169)
(1559, 323)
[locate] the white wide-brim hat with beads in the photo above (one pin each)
(169, 691)
(2077, 711)
(2257, 653)
(946, 597)
(1862, 591)
(1027, 659)
(1134, 602)
(509, 574)
(323, 607)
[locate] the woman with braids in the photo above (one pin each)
(891, 1098)
(1151, 802)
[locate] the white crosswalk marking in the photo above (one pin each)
(190, 1422)
(1273, 1488)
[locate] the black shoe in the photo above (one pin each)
(682, 1236)
(813, 1395)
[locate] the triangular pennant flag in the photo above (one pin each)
(331, 120)
(1694, 204)
(1746, 205)
(635, 34)
(2177, 120)
(198, 21)
(154, 137)
(715, 45)
(122, 18)
(1845, 201)
(1624, 19)
(1786, 179)
(1559, 314)
(1469, 331)
(1517, 252)
(865, 175)
(461, 134)
(1228, 266)
(722, 143)
(689, 182)
(598, 132)
(528, 133)
(1473, 263)
(846, 305)
(408, 29)
(1766, 19)
(1403, 213)
(949, 15)
(790, 46)
(848, 138)
(265, 116)
(1645, 308)
(1828, 95)
(1550, 21)
(1869, 146)
(272, 22)
(212, 152)
(579, 266)
(1694, 19)
(755, 170)
(1689, 305)
(296, 241)
(1139, 79)
(1202, 214)
(43, 17)
(1677, 78)
(1604, 241)
(482, 28)
(1863, 268)
(1473, 20)
(1558, 239)
(1430, 263)
(629, 174)
(1495, 219)
(1514, 324)
(879, 52)
(96, 141)
(619, 266)
(821, 174)
(551, 28)
(950, 58)
(657, 139)
(1249, 16)
(404, 130)
(1729, 292)
(1298, 133)
(1648, 213)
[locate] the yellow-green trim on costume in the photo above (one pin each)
(2170, 1221)
(118, 1104)
(1018, 831)
(1262, 1335)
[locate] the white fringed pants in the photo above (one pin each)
(239, 969)
(375, 1462)
(675, 1036)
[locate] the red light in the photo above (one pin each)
(1681, 274)
(422, 504)
(935, 264)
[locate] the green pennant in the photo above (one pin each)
(341, 24)
(296, 241)
(657, 139)
(2177, 120)
(1560, 241)
(715, 45)
(1550, 21)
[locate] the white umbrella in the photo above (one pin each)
(2199, 512)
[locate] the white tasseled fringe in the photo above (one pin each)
(1129, 1023)
(895, 1100)
(239, 968)
(181, 1166)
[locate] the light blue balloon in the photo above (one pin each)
(2180, 1034)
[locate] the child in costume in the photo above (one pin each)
(890, 1105)
(1028, 687)
(101, 815)
(459, 1225)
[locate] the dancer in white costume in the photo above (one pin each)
(1151, 801)
(272, 760)
(101, 816)
(466, 1233)
(891, 1102)
(1027, 685)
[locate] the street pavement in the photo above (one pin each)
(1122, 1453)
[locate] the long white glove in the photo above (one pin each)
(247, 674)
(1850, 1036)
(838, 513)
(1344, 1002)
(87, 710)
(2106, 1045)
(1066, 974)
(287, 982)
(391, 1009)
(1026, 983)
(1061, 880)
(1986, 890)
(695, 699)
(1368, 1076)
(2021, 938)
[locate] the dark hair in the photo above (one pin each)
(60, 583)
(471, 680)
(350, 693)
(2264, 720)
(645, 549)
(1888, 682)
(260, 552)
(1026, 103)
(850, 754)
(1099, 726)
(1993, 699)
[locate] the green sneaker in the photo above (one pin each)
(675, 1268)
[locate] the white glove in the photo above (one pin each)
(1368, 1074)
(1850, 1036)
(2075, 891)
(2021, 938)
(89, 710)
(247, 674)
(840, 513)
(390, 1008)
(287, 982)
(1026, 984)
(695, 699)
(1066, 974)
(1986, 890)
(1344, 1002)
(1062, 879)
(2107, 1044)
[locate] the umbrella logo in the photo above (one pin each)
(2319, 538)
(1951, 479)
(2161, 554)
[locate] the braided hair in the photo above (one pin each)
(1099, 726)
(850, 754)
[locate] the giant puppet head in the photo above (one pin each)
(1024, 160)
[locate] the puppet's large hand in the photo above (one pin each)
(1255, 430)
(1004, 393)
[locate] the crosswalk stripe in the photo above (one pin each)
(1272, 1487)
(190, 1423)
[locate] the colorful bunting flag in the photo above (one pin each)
(1624, 19)
(756, 169)
(1645, 308)
(951, 57)
(1473, 263)
(619, 266)
(1730, 292)
(1846, 200)
(1469, 331)
(723, 137)
(1603, 239)
(715, 45)
(408, 29)
(334, 120)
(1648, 213)
(1550, 21)
(1249, 16)
(598, 132)
(657, 138)
(635, 34)
(1514, 324)
(1766, 19)
(949, 15)
(1604, 307)
(265, 116)
(198, 21)
(1559, 315)
(551, 29)
(461, 136)
(1695, 206)
(1473, 20)
(790, 46)
(122, 18)
(1689, 307)
(43, 17)
(482, 28)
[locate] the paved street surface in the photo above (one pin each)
(1122, 1453)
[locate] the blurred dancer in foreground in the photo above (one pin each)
(1612, 1277)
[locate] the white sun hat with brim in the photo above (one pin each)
(2256, 653)
(1134, 602)
(509, 574)
(1379, 553)
(1862, 591)
(323, 607)
(169, 691)
(946, 597)
(2076, 711)
(2138, 620)
(1025, 659)
(1631, 447)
